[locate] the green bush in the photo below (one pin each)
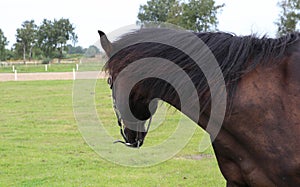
(46, 60)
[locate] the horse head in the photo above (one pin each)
(133, 122)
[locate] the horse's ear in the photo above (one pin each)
(105, 43)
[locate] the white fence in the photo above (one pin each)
(52, 76)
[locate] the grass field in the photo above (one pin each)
(40, 144)
(32, 68)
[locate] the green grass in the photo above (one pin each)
(40, 144)
(32, 68)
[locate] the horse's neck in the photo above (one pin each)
(189, 107)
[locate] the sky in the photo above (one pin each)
(242, 17)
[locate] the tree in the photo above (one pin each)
(196, 15)
(75, 50)
(54, 35)
(200, 15)
(3, 43)
(63, 32)
(10, 54)
(289, 16)
(45, 38)
(92, 51)
(26, 38)
(156, 11)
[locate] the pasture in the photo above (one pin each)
(55, 67)
(35, 68)
(40, 144)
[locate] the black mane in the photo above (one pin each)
(235, 55)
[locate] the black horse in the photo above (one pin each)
(258, 143)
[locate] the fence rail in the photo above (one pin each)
(52, 76)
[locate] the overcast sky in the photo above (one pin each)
(241, 17)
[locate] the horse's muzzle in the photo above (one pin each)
(136, 144)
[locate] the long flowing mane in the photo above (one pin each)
(235, 55)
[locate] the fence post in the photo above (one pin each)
(74, 76)
(13, 68)
(77, 67)
(46, 67)
(16, 75)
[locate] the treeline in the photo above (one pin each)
(92, 51)
(51, 39)
(201, 15)
(192, 15)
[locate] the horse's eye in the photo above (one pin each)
(109, 81)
